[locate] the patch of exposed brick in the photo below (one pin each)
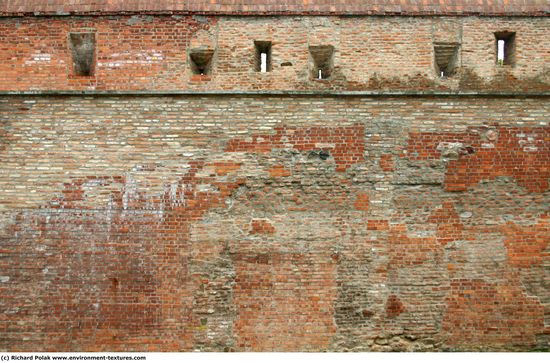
(361, 202)
(480, 313)
(93, 279)
(378, 225)
(394, 306)
(345, 144)
(386, 162)
(279, 171)
(74, 195)
(449, 226)
(405, 250)
(521, 153)
(282, 311)
(260, 226)
(367, 313)
(224, 168)
(120, 280)
(527, 245)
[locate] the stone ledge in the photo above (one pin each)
(273, 93)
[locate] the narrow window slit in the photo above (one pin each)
(505, 48)
(500, 51)
(262, 56)
(263, 66)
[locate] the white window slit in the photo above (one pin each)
(500, 55)
(263, 64)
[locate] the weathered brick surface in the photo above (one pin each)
(370, 53)
(490, 314)
(486, 153)
(376, 7)
(274, 223)
(264, 222)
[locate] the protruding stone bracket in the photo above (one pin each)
(322, 61)
(200, 60)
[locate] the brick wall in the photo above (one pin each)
(318, 7)
(241, 7)
(271, 222)
(370, 53)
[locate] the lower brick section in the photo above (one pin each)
(284, 302)
(219, 223)
(481, 313)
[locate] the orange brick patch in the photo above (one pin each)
(279, 171)
(225, 168)
(362, 202)
(378, 225)
(386, 162)
(261, 226)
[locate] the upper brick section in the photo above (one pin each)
(369, 53)
(292, 7)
